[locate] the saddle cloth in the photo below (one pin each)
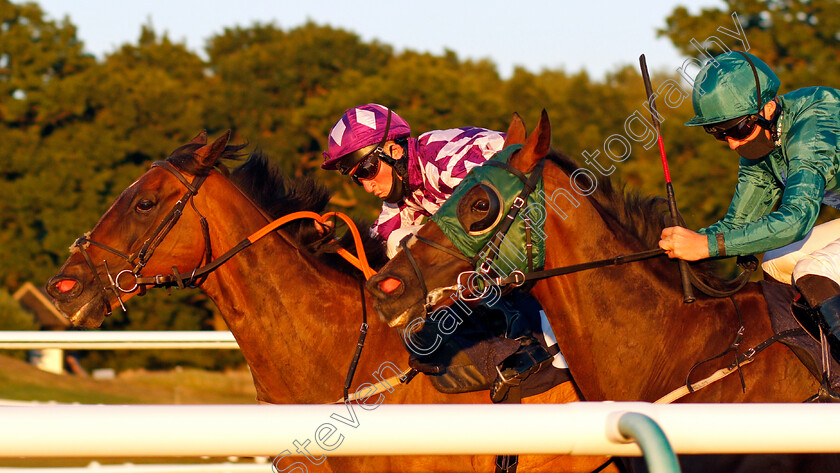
(779, 298)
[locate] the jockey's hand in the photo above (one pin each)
(682, 243)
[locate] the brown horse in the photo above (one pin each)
(624, 330)
(295, 318)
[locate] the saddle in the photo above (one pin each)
(466, 361)
(786, 315)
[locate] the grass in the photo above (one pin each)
(20, 381)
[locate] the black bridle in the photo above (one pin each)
(198, 275)
(138, 260)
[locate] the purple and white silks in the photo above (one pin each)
(437, 162)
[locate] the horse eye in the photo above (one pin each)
(479, 209)
(481, 205)
(144, 205)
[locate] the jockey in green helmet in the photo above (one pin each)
(790, 155)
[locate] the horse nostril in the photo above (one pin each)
(389, 285)
(65, 285)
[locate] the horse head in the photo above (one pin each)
(424, 273)
(106, 263)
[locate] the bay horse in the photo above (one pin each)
(624, 330)
(295, 317)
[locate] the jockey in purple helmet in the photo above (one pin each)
(414, 177)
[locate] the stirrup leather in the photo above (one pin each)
(529, 359)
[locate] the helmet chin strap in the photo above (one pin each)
(397, 192)
(399, 174)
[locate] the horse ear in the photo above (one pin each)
(536, 146)
(516, 131)
(200, 139)
(208, 155)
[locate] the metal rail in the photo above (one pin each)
(136, 340)
(366, 428)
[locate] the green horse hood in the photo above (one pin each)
(511, 253)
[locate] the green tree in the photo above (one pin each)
(262, 75)
(71, 148)
(35, 55)
(799, 39)
(37, 58)
(14, 317)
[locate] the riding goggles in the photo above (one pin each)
(368, 168)
(741, 129)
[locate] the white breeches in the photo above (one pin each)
(818, 253)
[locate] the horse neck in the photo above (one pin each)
(587, 231)
(272, 297)
(623, 329)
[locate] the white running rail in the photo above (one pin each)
(584, 428)
(100, 340)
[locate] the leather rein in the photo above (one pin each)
(518, 278)
(130, 280)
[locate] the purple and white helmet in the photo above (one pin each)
(361, 127)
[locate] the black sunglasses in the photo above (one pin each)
(368, 168)
(739, 131)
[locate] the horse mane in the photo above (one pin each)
(278, 195)
(639, 218)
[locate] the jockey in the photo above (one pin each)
(414, 177)
(790, 154)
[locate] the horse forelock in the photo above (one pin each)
(183, 158)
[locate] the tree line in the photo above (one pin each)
(77, 130)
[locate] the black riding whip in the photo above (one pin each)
(688, 294)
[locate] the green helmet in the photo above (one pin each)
(729, 87)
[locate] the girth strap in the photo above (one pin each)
(736, 342)
(506, 463)
(744, 359)
(509, 463)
